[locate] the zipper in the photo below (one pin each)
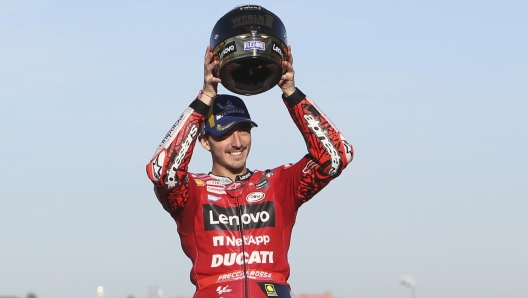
(241, 229)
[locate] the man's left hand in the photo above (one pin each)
(287, 82)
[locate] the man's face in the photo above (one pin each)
(230, 151)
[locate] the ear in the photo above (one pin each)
(205, 143)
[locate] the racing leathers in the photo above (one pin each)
(237, 233)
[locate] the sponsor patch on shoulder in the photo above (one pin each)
(255, 197)
(214, 182)
(262, 184)
(199, 182)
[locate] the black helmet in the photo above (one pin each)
(250, 43)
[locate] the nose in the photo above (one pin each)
(236, 141)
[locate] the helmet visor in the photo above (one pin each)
(250, 63)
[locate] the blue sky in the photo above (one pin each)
(432, 94)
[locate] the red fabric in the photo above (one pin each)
(237, 234)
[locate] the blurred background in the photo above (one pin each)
(432, 94)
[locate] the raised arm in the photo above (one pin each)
(326, 145)
(328, 151)
(169, 165)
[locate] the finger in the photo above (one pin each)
(287, 76)
(290, 56)
(210, 64)
(207, 51)
(209, 55)
(215, 80)
(286, 67)
(211, 67)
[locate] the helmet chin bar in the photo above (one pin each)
(250, 76)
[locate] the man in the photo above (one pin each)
(235, 224)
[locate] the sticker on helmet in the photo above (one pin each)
(254, 45)
(228, 49)
(277, 49)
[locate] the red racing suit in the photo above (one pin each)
(237, 233)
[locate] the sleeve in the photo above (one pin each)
(168, 167)
(328, 150)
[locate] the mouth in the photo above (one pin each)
(237, 154)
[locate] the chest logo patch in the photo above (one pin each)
(215, 189)
(235, 189)
(212, 198)
(255, 197)
(249, 216)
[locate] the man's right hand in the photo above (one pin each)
(287, 81)
(210, 86)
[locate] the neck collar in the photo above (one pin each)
(227, 180)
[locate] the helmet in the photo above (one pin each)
(250, 43)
